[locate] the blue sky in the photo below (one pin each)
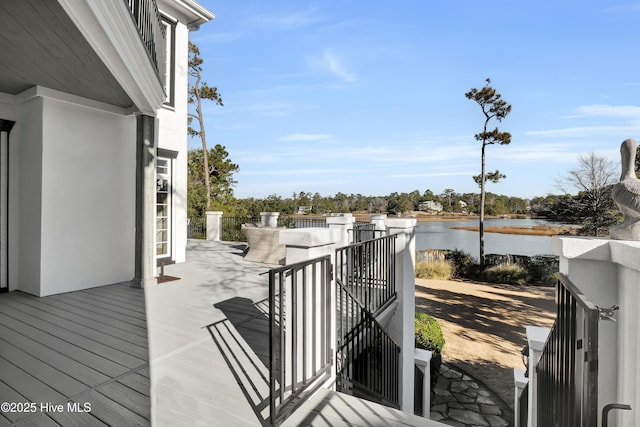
(368, 97)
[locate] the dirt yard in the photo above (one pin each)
(484, 325)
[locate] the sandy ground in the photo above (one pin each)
(484, 325)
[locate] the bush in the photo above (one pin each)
(509, 273)
(428, 336)
(442, 270)
(464, 265)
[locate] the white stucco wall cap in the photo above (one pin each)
(309, 237)
(519, 378)
(422, 356)
(377, 216)
(591, 248)
(537, 337)
(340, 220)
(401, 222)
(338, 214)
(626, 253)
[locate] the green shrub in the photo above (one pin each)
(509, 273)
(464, 265)
(442, 270)
(428, 336)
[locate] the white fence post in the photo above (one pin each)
(536, 337)
(401, 327)
(269, 219)
(343, 223)
(423, 362)
(214, 226)
(520, 382)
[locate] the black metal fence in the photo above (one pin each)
(300, 328)
(297, 222)
(363, 231)
(367, 358)
(232, 227)
(367, 270)
(568, 367)
(147, 18)
(196, 228)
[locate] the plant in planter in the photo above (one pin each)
(429, 337)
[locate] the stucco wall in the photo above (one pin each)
(88, 197)
(173, 136)
(608, 273)
(25, 188)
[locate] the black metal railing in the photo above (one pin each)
(232, 227)
(367, 270)
(196, 228)
(366, 231)
(296, 222)
(147, 18)
(367, 362)
(300, 328)
(568, 366)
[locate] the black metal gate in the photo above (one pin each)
(300, 327)
(568, 367)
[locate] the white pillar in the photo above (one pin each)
(214, 225)
(269, 219)
(520, 381)
(379, 220)
(423, 362)
(536, 338)
(343, 223)
(145, 255)
(401, 327)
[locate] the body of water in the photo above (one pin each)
(439, 235)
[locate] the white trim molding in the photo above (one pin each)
(108, 28)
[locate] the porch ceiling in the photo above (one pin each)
(40, 45)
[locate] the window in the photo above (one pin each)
(170, 69)
(163, 207)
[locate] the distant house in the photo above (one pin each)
(93, 140)
(430, 206)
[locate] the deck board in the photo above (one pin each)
(85, 347)
(53, 317)
(90, 319)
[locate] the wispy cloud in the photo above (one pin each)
(305, 137)
(332, 63)
(284, 172)
(604, 110)
(287, 21)
(585, 131)
(431, 174)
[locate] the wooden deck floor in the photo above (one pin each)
(83, 350)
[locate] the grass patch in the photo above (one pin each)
(538, 230)
(440, 270)
(507, 272)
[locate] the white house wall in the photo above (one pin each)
(88, 198)
(25, 188)
(173, 136)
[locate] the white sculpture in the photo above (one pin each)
(626, 194)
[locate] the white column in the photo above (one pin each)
(379, 220)
(401, 327)
(343, 223)
(214, 225)
(536, 338)
(145, 259)
(269, 219)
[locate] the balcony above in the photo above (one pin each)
(92, 49)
